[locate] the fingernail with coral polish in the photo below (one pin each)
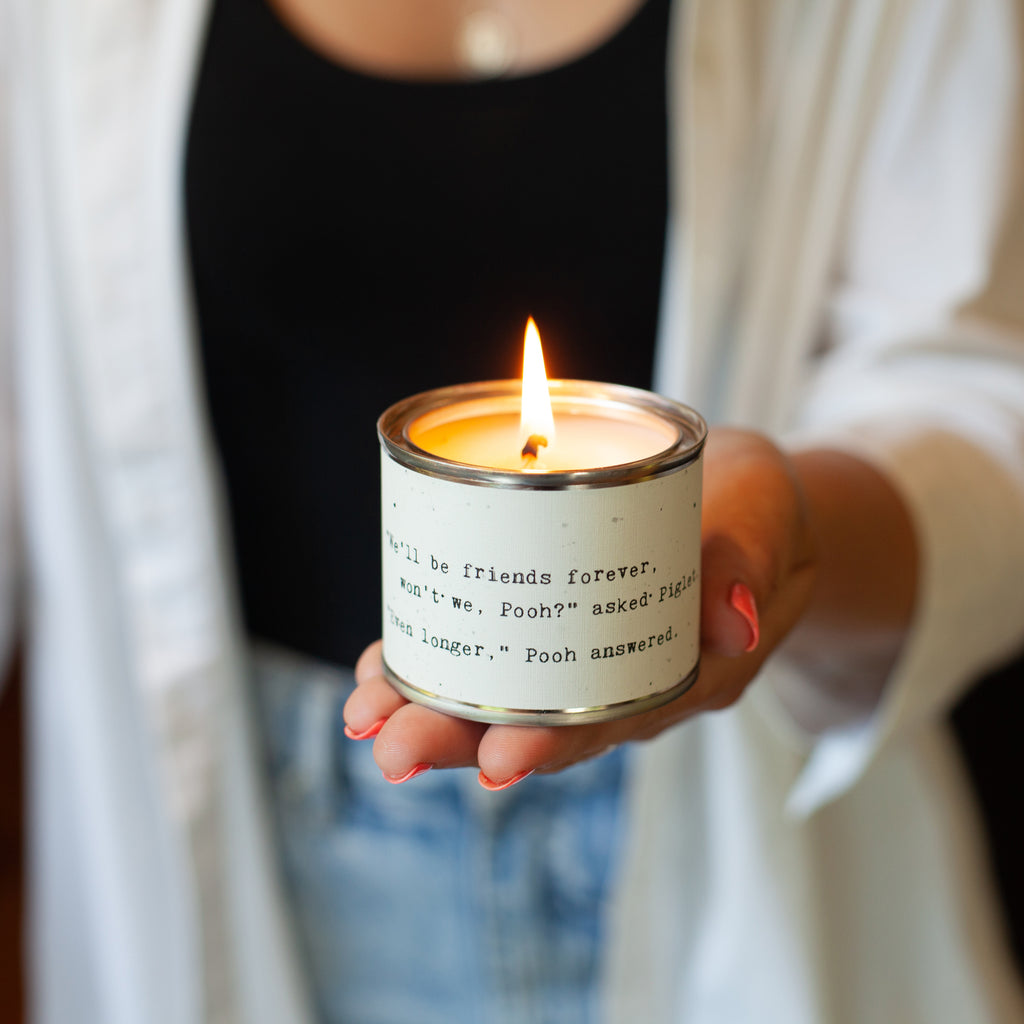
(366, 734)
(742, 600)
(496, 787)
(418, 769)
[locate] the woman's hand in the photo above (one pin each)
(758, 572)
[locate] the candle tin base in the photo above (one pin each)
(537, 716)
(541, 598)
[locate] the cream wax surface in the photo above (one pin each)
(584, 438)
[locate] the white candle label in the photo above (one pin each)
(540, 600)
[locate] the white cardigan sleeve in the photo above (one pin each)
(922, 369)
(9, 560)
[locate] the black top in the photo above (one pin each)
(355, 240)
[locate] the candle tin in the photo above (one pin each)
(541, 598)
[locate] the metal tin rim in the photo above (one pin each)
(692, 433)
(563, 716)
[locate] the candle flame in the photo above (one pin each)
(536, 422)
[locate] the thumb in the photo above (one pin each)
(729, 605)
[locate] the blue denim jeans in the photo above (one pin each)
(433, 900)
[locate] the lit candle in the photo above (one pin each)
(540, 548)
(579, 427)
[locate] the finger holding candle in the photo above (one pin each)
(373, 699)
(757, 543)
(406, 735)
(370, 663)
(506, 751)
(416, 735)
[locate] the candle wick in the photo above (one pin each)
(533, 444)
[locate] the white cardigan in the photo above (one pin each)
(838, 175)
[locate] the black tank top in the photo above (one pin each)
(355, 240)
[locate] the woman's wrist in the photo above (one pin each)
(862, 604)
